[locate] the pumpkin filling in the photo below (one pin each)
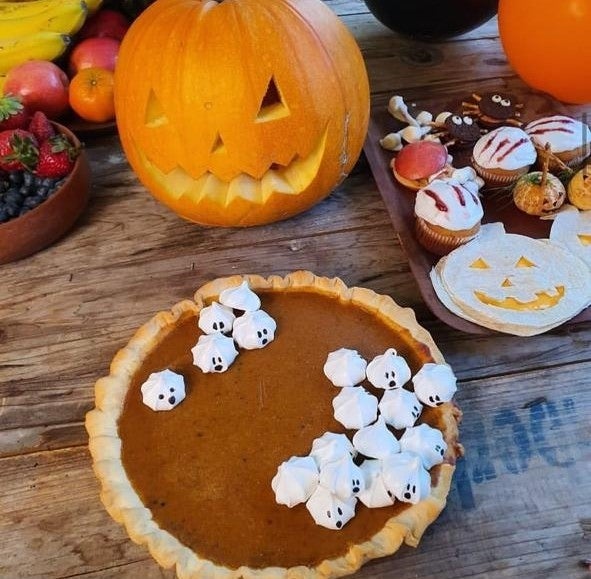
(205, 468)
(292, 179)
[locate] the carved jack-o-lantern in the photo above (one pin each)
(240, 112)
(513, 283)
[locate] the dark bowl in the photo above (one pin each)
(432, 19)
(40, 227)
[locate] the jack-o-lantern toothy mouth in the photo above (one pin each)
(543, 300)
(289, 180)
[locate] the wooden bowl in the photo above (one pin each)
(40, 227)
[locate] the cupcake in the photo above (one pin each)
(447, 216)
(569, 140)
(503, 155)
(579, 189)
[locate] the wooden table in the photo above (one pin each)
(520, 505)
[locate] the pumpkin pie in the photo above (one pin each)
(194, 484)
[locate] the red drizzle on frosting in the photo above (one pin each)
(514, 146)
(460, 195)
(560, 120)
(439, 204)
(500, 146)
(550, 130)
(488, 143)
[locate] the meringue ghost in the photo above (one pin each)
(375, 494)
(240, 298)
(328, 510)
(425, 441)
(406, 478)
(388, 370)
(342, 477)
(254, 330)
(295, 481)
(400, 408)
(434, 384)
(331, 446)
(216, 318)
(345, 367)
(354, 407)
(214, 352)
(163, 390)
(375, 440)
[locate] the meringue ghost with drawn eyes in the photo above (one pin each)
(425, 441)
(375, 440)
(295, 481)
(216, 318)
(388, 370)
(331, 446)
(406, 478)
(214, 352)
(240, 298)
(400, 408)
(375, 494)
(342, 477)
(328, 510)
(253, 330)
(345, 367)
(354, 407)
(434, 384)
(163, 390)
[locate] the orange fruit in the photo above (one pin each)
(91, 94)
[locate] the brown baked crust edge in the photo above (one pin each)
(125, 507)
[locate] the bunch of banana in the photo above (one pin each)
(38, 29)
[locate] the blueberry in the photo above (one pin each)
(13, 197)
(42, 191)
(15, 177)
(28, 179)
(3, 215)
(47, 182)
(24, 190)
(32, 202)
(12, 209)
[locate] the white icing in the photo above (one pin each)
(214, 352)
(406, 478)
(467, 177)
(561, 132)
(425, 441)
(434, 384)
(254, 330)
(342, 477)
(328, 510)
(375, 440)
(503, 149)
(400, 408)
(295, 481)
(216, 318)
(345, 367)
(240, 298)
(463, 209)
(355, 407)
(331, 446)
(163, 390)
(375, 494)
(388, 370)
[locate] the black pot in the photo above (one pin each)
(432, 19)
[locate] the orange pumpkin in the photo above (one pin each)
(241, 112)
(548, 43)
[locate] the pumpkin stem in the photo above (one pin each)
(546, 164)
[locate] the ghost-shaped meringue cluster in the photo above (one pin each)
(376, 468)
(163, 390)
(253, 328)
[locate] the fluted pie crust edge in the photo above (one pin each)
(124, 505)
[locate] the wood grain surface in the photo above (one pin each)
(520, 504)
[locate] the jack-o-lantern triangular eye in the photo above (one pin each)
(479, 264)
(272, 106)
(524, 262)
(155, 116)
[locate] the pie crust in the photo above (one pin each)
(125, 506)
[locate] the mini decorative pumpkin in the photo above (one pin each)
(240, 112)
(548, 44)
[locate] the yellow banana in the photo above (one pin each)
(93, 5)
(12, 9)
(66, 17)
(2, 82)
(42, 45)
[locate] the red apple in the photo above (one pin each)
(94, 53)
(420, 160)
(42, 86)
(105, 22)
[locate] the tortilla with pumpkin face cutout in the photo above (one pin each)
(512, 283)
(572, 228)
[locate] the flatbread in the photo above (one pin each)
(572, 228)
(512, 283)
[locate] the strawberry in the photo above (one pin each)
(18, 150)
(40, 126)
(13, 114)
(56, 157)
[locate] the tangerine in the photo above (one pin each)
(91, 94)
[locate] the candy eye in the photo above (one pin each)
(496, 98)
(468, 120)
(506, 103)
(456, 120)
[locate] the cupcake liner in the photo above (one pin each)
(494, 178)
(439, 243)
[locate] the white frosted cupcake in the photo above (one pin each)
(503, 155)
(447, 216)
